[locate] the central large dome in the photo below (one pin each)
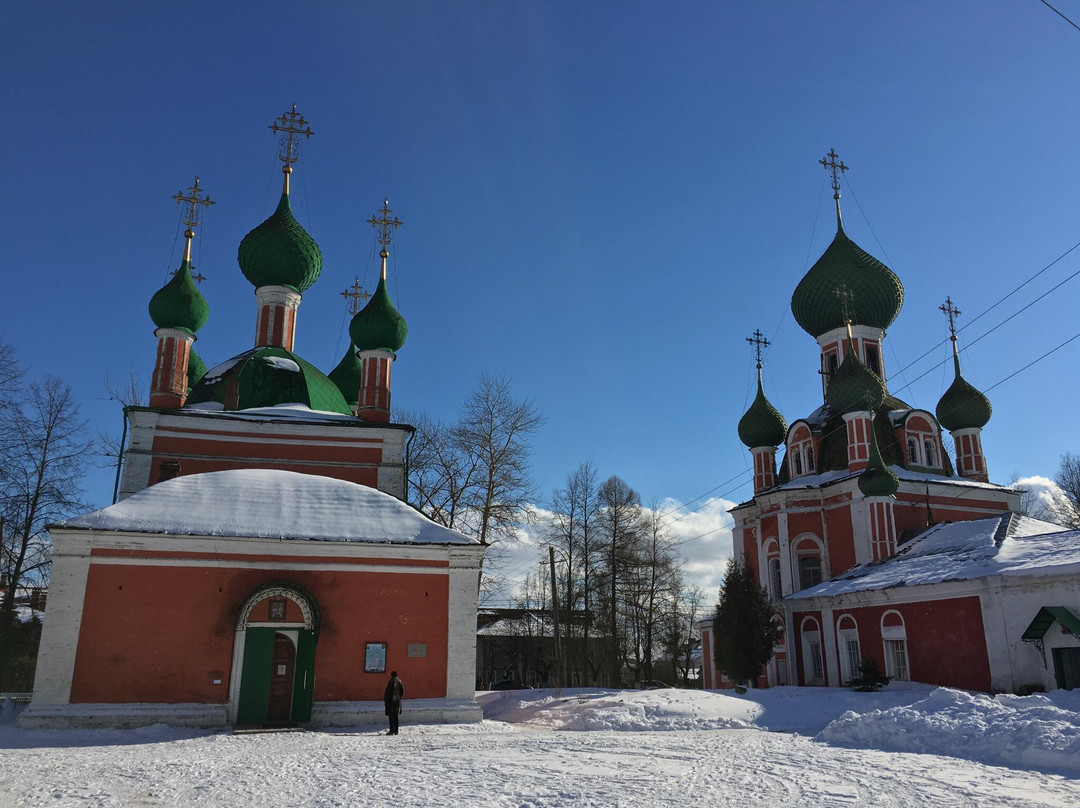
(876, 293)
(266, 377)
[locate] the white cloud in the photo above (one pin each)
(1043, 498)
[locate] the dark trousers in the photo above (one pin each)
(394, 722)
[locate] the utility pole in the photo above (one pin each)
(555, 620)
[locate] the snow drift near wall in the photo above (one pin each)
(1041, 731)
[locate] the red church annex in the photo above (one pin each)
(261, 566)
(870, 541)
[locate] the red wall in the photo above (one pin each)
(163, 634)
(946, 641)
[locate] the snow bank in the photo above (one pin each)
(631, 710)
(1033, 731)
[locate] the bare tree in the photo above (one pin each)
(573, 532)
(494, 432)
(1067, 511)
(42, 469)
(440, 473)
(621, 521)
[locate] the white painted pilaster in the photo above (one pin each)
(461, 623)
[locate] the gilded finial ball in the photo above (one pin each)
(286, 169)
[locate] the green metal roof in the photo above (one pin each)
(279, 252)
(179, 304)
(963, 406)
(1047, 616)
(266, 377)
(878, 480)
(379, 326)
(762, 424)
(854, 387)
(877, 294)
(348, 375)
(196, 369)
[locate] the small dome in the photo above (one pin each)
(762, 424)
(379, 326)
(878, 480)
(179, 304)
(854, 387)
(963, 406)
(266, 377)
(196, 369)
(279, 252)
(877, 293)
(347, 376)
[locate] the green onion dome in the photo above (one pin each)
(279, 252)
(762, 424)
(179, 304)
(878, 480)
(963, 406)
(379, 326)
(196, 369)
(267, 377)
(347, 376)
(877, 293)
(854, 387)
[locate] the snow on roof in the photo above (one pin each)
(292, 410)
(268, 503)
(826, 477)
(958, 551)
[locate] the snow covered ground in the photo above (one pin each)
(591, 748)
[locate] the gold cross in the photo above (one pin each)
(847, 300)
(198, 277)
(291, 124)
(952, 313)
(354, 294)
(384, 224)
(836, 166)
(192, 215)
(759, 344)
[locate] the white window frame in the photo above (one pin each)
(813, 663)
(894, 648)
(849, 668)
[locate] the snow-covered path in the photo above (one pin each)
(493, 764)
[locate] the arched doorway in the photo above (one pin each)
(274, 656)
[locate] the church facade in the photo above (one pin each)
(869, 540)
(261, 566)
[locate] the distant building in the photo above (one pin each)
(261, 566)
(867, 537)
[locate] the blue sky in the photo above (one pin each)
(601, 200)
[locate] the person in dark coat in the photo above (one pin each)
(392, 699)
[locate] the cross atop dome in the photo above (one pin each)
(758, 343)
(354, 294)
(291, 125)
(194, 199)
(951, 312)
(835, 166)
(386, 226)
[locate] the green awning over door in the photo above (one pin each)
(1047, 616)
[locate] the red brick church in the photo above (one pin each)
(869, 539)
(261, 565)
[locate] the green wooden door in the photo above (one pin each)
(304, 682)
(255, 676)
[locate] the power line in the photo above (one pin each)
(1070, 22)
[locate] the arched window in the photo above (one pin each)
(928, 452)
(813, 662)
(797, 457)
(894, 644)
(810, 459)
(913, 451)
(809, 571)
(775, 581)
(847, 635)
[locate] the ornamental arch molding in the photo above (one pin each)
(301, 597)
